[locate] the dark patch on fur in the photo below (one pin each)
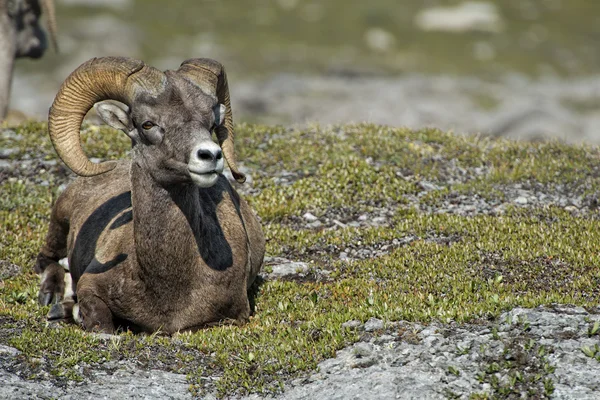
(125, 218)
(84, 249)
(210, 239)
(96, 267)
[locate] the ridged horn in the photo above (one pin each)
(211, 77)
(106, 78)
(49, 11)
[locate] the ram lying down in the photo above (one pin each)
(161, 242)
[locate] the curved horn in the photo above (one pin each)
(210, 76)
(48, 10)
(115, 78)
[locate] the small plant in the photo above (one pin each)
(591, 351)
(495, 334)
(462, 350)
(17, 297)
(594, 329)
(548, 386)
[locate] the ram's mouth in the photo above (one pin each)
(203, 173)
(204, 179)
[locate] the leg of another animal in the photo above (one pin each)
(7, 58)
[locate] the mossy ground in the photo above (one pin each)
(463, 268)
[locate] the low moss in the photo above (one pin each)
(428, 265)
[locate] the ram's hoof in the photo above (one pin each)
(45, 298)
(57, 311)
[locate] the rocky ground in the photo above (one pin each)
(546, 352)
(398, 360)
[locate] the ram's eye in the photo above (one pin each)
(147, 125)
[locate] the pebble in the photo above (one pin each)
(379, 39)
(521, 200)
(310, 217)
(314, 224)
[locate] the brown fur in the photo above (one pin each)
(147, 248)
(163, 284)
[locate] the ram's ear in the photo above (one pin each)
(115, 115)
(219, 111)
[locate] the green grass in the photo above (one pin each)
(524, 257)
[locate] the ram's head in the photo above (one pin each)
(168, 115)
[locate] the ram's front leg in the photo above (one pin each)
(56, 289)
(52, 285)
(93, 312)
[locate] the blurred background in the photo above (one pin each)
(520, 68)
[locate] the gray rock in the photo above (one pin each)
(362, 349)
(352, 324)
(8, 269)
(379, 39)
(5, 164)
(6, 153)
(428, 186)
(310, 217)
(10, 134)
(288, 269)
(521, 200)
(122, 384)
(7, 350)
(466, 16)
(314, 224)
(373, 324)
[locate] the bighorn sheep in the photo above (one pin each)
(21, 36)
(161, 242)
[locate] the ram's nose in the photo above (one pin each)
(206, 162)
(205, 154)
